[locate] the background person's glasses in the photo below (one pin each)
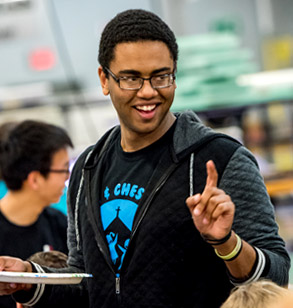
(67, 171)
(135, 83)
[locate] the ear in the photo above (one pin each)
(33, 179)
(104, 81)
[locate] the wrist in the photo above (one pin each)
(28, 267)
(231, 249)
(216, 242)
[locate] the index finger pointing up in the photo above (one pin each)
(212, 174)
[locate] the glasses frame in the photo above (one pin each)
(67, 171)
(117, 79)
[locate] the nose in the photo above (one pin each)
(147, 91)
(67, 176)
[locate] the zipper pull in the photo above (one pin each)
(117, 284)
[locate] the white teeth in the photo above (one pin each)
(146, 107)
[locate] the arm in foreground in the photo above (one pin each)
(213, 214)
(263, 252)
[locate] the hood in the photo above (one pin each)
(100, 147)
(189, 133)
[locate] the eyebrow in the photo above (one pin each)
(137, 73)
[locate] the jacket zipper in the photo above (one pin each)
(117, 289)
(117, 278)
(117, 284)
(160, 184)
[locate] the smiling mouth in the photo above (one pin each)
(146, 108)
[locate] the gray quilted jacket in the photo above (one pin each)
(167, 263)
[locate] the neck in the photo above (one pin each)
(134, 141)
(21, 209)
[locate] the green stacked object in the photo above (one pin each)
(207, 74)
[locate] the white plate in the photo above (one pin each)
(46, 278)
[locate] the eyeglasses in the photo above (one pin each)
(67, 171)
(135, 83)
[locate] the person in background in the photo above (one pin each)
(34, 161)
(60, 205)
(163, 211)
(285, 301)
(5, 129)
(258, 294)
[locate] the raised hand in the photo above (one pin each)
(213, 210)
(10, 264)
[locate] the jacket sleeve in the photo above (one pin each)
(254, 219)
(75, 200)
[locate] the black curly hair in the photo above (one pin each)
(131, 26)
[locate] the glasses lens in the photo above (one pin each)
(162, 81)
(135, 83)
(130, 83)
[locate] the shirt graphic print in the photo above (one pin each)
(117, 218)
(125, 179)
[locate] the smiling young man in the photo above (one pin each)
(143, 114)
(163, 211)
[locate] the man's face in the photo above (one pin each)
(144, 111)
(52, 186)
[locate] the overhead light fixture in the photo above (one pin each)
(268, 78)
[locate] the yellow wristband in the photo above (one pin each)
(233, 253)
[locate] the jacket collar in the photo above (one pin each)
(185, 139)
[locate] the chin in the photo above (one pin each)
(56, 200)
